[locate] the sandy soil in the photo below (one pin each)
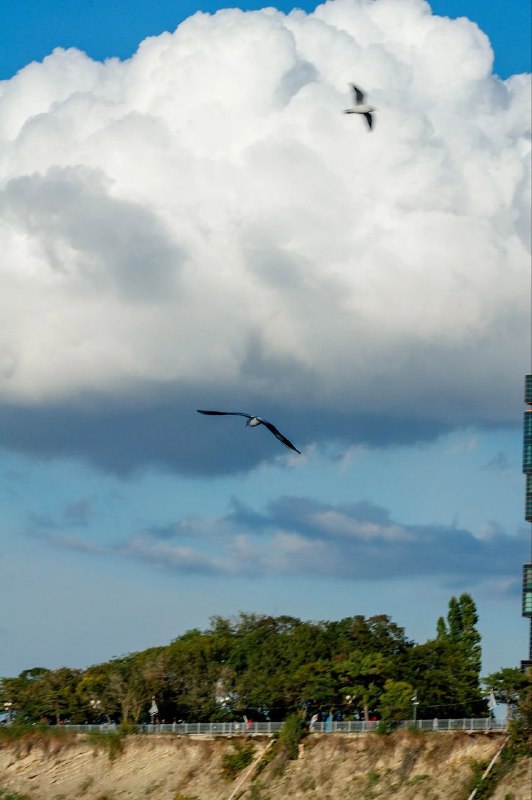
(404, 766)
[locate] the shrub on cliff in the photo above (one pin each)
(239, 759)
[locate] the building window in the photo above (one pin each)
(527, 577)
(528, 389)
(527, 604)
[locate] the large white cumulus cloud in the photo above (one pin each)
(204, 212)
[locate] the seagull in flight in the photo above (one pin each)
(252, 422)
(360, 106)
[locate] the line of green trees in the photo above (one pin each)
(267, 667)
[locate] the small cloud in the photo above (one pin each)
(42, 521)
(499, 463)
(78, 512)
(339, 524)
(78, 543)
(170, 557)
(352, 455)
(504, 586)
(488, 531)
(465, 446)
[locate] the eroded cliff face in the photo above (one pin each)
(403, 766)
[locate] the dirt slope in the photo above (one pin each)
(403, 766)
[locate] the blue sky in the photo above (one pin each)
(198, 226)
(32, 28)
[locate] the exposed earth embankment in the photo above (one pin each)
(405, 766)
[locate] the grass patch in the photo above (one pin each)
(184, 797)
(477, 768)
(112, 743)
(11, 734)
(373, 777)
(418, 779)
(5, 794)
(23, 738)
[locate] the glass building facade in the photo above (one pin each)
(527, 590)
(527, 448)
(527, 469)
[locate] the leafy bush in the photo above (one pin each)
(521, 727)
(128, 728)
(285, 745)
(292, 732)
(382, 727)
(517, 745)
(239, 759)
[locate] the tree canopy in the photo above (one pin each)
(268, 667)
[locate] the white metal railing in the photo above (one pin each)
(267, 728)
